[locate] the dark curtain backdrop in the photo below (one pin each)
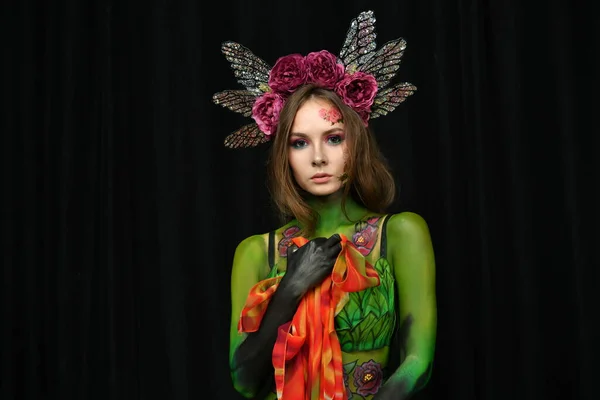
(121, 208)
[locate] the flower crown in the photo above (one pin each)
(360, 76)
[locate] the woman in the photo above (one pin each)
(317, 303)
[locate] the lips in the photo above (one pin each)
(320, 178)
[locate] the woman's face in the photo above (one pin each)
(317, 147)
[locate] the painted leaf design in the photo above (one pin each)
(348, 367)
(367, 321)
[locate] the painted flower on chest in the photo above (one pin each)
(286, 240)
(366, 236)
(368, 378)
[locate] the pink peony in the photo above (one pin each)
(357, 90)
(266, 111)
(323, 69)
(287, 74)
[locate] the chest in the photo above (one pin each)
(367, 320)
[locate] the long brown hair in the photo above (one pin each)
(369, 181)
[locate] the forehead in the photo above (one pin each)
(309, 117)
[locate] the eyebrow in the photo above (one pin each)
(327, 132)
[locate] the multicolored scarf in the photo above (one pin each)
(307, 356)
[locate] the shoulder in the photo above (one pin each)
(407, 224)
(409, 243)
(252, 245)
(256, 245)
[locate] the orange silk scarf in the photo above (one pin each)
(307, 356)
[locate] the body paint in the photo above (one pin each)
(332, 115)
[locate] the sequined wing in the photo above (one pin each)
(385, 62)
(360, 41)
(247, 136)
(240, 101)
(251, 71)
(388, 99)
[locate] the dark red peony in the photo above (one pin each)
(288, 73)
(358, 90)
(323, 69)
(368, 378)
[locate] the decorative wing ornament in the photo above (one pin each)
(388, 99)
(240, 101)
(358, 54)
(247, 136)
(384, 64)
(360, 42)
(253, 73)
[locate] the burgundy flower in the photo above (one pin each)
(368, 378)
(323, 69)
(266, 111)
(287, 74)
(286, 241)
(358, 90)
(373, 220)
(365, 239)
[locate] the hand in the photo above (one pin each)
(308, 265)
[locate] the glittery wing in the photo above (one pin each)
(247, 136)
(385, 62)
(388, 99)
(250, 70)
(240, 101)
(360, 40)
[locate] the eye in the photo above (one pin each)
(298, 143)
(335, 139)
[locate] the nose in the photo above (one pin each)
(319, 159)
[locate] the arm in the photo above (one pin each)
(250, 356)
(411, 254)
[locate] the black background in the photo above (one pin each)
(121, 208)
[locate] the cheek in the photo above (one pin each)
(291, 160)
(345, 152)
(295, 161)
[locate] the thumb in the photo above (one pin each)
(291, 249)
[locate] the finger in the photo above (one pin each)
(319, 240)
(334, 250)
(291, 249)
(333, 240)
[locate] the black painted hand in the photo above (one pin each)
(310, 264)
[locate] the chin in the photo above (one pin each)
(323, 190)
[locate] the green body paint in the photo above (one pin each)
(366, 324)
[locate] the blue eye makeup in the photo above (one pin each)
(298, 143)
(335, 139)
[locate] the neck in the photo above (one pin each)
(331, 215)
